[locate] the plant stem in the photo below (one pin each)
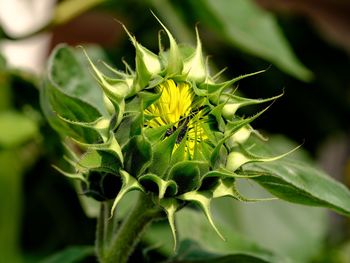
(124, 241)
(101, 230)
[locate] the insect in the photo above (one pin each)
(183, 125)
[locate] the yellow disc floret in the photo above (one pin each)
(175, 107)
(174, 103)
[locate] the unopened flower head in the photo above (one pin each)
(170, 130)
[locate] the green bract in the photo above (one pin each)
(167, 128)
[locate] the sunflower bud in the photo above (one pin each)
(170, 130)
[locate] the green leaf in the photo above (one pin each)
(100, 125)
(192, 225)
(283, 228)
(300, 182)
(74, 109)
(70, 75)
(15, 129)
(69, 90)
(70, 255)
(252, 30)
(191, 252)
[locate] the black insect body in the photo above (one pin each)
(183, 125)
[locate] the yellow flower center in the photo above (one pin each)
(175, 107)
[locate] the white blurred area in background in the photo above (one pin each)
(19, 18)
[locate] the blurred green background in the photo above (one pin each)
(304, 45)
